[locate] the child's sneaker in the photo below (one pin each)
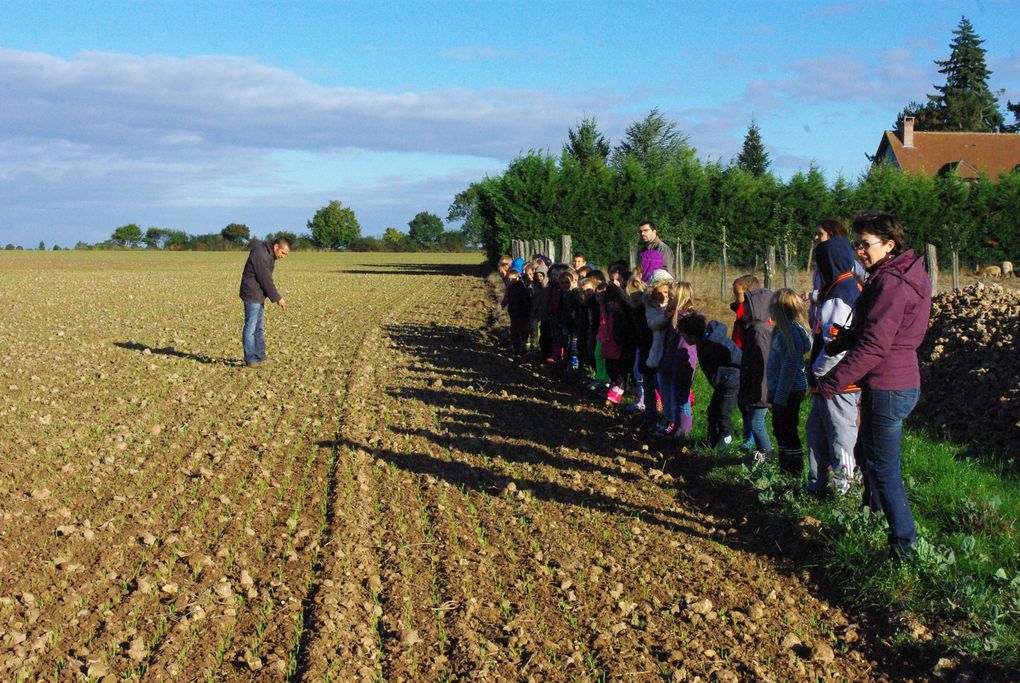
(635, 408)
(614, 394)
(841, 483)
(665, 429)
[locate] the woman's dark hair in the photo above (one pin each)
(881, 224)
(832, 227)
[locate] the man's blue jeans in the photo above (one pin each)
(253, 338)
(881, 432)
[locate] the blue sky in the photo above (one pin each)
(193, 115)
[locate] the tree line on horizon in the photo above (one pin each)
(333, 227)
(598, 193)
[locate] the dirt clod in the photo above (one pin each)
(822, 653)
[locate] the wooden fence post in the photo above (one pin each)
(786, 262)
(566, 248)
(632, 254)
(931, 262)
(956, 270)
(679, 260)
(692, 254)
(770, 267)
(724, 270)
(550, 249)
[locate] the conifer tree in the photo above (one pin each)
(965, 102)
(653, 142)
(753, 158)
(587, 144)
(1015, 110)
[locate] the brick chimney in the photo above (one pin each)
(908, 131)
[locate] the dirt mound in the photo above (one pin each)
(970, 366)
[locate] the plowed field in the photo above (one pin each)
(390, 499)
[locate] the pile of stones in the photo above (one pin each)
(970, 371)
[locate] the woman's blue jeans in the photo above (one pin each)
(880, 437)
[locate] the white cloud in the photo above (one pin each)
(102, 139)
(179, 104)
(893, 80)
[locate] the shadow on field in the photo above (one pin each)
(445, 269)
(490, 409)
(484, 478)
(171, 351)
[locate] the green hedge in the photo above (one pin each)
(541, 196)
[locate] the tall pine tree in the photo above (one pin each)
(653, 142)
(587, 144)
(965, 102)
(753, 158)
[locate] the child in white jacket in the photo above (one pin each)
(831, 428)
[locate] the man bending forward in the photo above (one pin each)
(256, 286)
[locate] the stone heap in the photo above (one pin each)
(970, 371)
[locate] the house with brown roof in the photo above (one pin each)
(969, 154)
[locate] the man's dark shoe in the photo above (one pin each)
(253, 363)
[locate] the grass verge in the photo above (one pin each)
(963, 589)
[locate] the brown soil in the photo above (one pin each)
(403, 503)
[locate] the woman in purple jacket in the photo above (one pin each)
(890, 320)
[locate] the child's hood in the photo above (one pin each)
(660, 277)
(835, 256)
(544, 269)
(716, 331)
(756, 306)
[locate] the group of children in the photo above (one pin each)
(639, 331)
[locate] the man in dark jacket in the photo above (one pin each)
(256, 286)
